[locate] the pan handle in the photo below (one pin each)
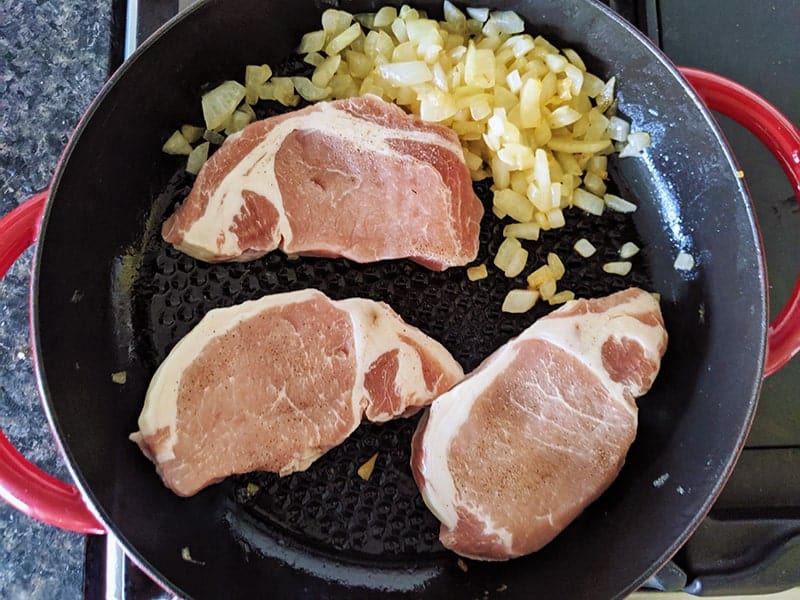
(22, 484)
(782, 138)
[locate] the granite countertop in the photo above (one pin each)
(54, 57)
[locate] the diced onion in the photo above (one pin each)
(540, 276)
(636, 144)
(519, 301)
(365, 470)
(308, 91)
(587, 201)
(197, 158)
(255, 76)
(584, 248)
(555, 264)
(177, 144)
(479, 14)
(684, 262)
(628, 250)
(517, 263)
(506, 21)
(522, 231)
(406, 73)
(219, 103)
(617, 267)
(618, 204)
(561, 297)
(313, 41)
(548, 289)
(478, 272)
(618, 129)
(511, 257)
(191, 133)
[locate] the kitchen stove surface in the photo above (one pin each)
(750, 542)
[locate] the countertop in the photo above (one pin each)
(54, 57)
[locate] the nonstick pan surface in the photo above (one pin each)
(111, 296)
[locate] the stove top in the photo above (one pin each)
(750, 542)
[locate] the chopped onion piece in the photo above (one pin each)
(255, 76)
(555, 264)
(563, 116)
(628, 249)
(406, 73)
(522, 231)
(574, 58)
(477, 272)
(517, 263)
(584, 248)
(313, 41)
(454, 16)
(561, 297)
(540, 276)
(325, 71)
(595, 184)
(618, 204)
(684, 262)
(514, 205)
(519, 301)
(587, 201)
(335, 21)
(197, 158)
(618, 129)
(617, 267)
(192, 133)
(479, 14)
(548, 289)
(606, 96)
(365, 470)
(506, 21)
(177, 144)
(568, 144)
(637, 142)
(343, 40)
(219, 103)
(308, 91)
(239, 120)
(506, 252)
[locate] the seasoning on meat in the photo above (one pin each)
(273, 384)
(511, 455)
(357, 178)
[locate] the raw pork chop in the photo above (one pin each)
(512, 454)
(357, 178)
(273, 384)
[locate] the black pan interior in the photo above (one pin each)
(111, 296)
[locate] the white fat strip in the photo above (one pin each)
(585, 341)
(161, 401)
(256, 171)
(450, 410)
(376, 332)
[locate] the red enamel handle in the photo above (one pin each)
(782, 138)
(22, 484)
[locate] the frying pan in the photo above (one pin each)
(108, 296)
